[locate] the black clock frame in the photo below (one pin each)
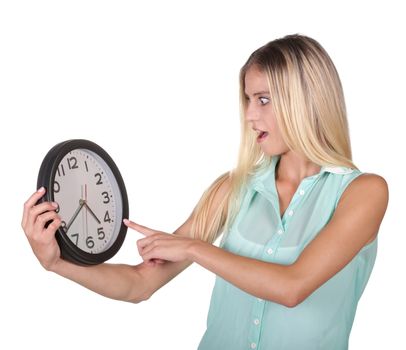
(46, 178)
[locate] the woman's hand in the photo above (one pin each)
(41, 239)
(159, 246)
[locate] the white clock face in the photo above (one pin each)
(89, 199)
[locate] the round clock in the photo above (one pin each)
(92, 200)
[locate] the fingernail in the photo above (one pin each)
(126, 222)
(41, 189)
(55, 205)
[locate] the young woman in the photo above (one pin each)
(299, 220)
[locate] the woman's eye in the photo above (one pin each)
(264, 100)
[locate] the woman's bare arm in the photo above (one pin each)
(125, 282)
(354, 224)
(116, 281)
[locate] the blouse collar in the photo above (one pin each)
(263, 174)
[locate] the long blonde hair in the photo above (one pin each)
(308, 101)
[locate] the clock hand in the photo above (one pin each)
(92, 213)
(88, 208)
(86, 223)
(81, 204)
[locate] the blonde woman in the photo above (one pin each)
(299, 221)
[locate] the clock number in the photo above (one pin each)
(72, 163)
(90, 242)
(57, 187)
(100, 233)
(106, 197)
(61, 170)
(107, 217)
(75, 235)
(87, 169)
(99, 181)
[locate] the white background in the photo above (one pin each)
(156, 84)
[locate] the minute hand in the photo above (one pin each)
(92, 213)
(81, 204)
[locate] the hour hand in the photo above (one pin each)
(81, 204)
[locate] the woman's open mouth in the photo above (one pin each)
(261, 135)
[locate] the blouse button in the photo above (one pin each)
(302, 192)
(256, 322)
(253, 346)
(270, 251)
(290, 212)
(280, 232)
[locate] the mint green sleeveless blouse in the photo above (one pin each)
(238, 320)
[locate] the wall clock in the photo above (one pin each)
(92, 200)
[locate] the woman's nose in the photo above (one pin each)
(251, 113)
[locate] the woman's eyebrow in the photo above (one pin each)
(258, 93)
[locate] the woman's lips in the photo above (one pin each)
(261, 136)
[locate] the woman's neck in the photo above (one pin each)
(293, 168)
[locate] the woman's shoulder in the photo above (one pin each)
(363, 204)
(368, 189)
(371, 181)
(219, 189)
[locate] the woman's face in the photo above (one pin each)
(259, 113)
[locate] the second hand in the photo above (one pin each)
(87, 228)
(90, 210)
